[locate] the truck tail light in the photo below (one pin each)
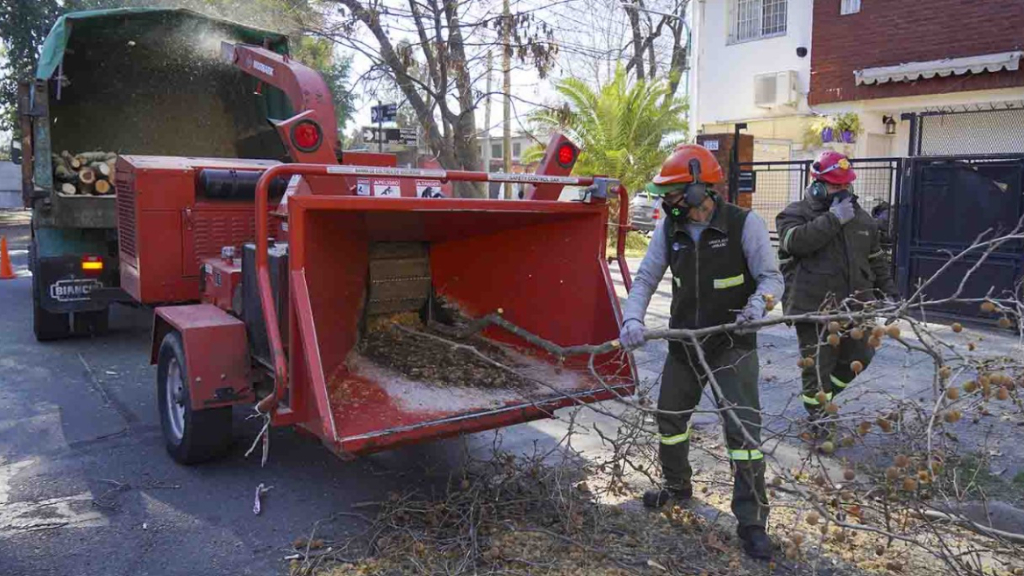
(307, 135)
(92, 265)
(656, 214)
(566, 155)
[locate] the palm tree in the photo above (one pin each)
(624, 130)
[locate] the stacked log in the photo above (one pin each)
(86, 173)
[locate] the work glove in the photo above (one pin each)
(752, 312)
(843, 209)
(632, 335)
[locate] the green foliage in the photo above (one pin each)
(625, 130)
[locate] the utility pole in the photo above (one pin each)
(487, 116)
(506, 64)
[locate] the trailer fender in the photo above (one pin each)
(216, 353)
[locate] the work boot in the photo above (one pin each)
(658, 498)
(756, 542)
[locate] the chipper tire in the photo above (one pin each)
(191, 436)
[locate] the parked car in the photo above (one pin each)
(645, 211)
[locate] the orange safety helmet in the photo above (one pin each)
(677, 170)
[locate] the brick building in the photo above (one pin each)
(941, 58)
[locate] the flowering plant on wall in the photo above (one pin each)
(840, 128)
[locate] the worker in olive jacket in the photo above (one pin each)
(829, 251)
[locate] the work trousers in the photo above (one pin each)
(736, 371)
(831, 372)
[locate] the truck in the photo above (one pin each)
(320, 289)
(133, 79)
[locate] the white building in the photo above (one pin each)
(751, 63)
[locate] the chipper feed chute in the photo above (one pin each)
(382, 290)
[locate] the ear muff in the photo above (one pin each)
(819, 190)
(695, 194)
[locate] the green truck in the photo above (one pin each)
(124, 81)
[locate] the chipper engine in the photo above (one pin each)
(363, 319)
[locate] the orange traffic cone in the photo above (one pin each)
(6, 272)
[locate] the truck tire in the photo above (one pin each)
(191, 436)
(47, 326)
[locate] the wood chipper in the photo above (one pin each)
(355, 317)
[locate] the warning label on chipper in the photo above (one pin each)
(387, 188)
(429, 189)
(363, 188)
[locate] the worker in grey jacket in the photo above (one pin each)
(723, 271)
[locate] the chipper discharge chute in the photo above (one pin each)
(370, 321)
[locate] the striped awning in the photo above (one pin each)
(910, 71)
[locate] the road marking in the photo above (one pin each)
(76, 510)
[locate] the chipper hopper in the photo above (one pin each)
(364, 319)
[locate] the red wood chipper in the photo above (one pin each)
(324, 309)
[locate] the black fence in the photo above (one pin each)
(776, 184)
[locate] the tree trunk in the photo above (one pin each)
(102, 187)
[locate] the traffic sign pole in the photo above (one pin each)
(380, 130)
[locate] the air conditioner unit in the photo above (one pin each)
(776, 89)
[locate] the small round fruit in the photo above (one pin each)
(834, 327)
(864, 428)
(878, 331)
(923, 476)
(832, 408)
(813, 518)
(828, 447)
(984, 379)
(988, 307)
(777, 481)
(875, 342)
(893, 331)
(879, 550)
(849, 474)
(892, 473)
(970, 386)
(902, 461)
(833, 340)
(885, 425)
(945, 372)
(952, 417)
(957, 327)
(1005, 322)
(953, 393)
(909, 484)
(1003, 394)
(798, 538)
(857, 333)
(821, 397)
(857, 366)
(806, 436)
(971, 346)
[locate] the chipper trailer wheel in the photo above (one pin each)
(191, 436)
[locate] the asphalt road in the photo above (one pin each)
(86, 487)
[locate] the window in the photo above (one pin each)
(849, 7)
(516, 148)
(754, 19)
(495, 150)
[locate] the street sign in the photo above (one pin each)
(394, 136)
(383, 113)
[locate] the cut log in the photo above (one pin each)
(103, 187)
(86, 180)
(62, 172)
(90, 157)
(102, 169)
(73, 162)
(68, 188)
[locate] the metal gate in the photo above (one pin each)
(946, 203)
(776, 184)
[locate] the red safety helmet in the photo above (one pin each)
(833, 167)
(676, 172)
